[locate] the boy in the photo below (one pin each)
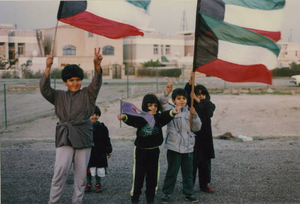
(74, 131)
(179, 143)
(100, 152)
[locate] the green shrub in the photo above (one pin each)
(6, 75)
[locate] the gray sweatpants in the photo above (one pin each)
(65, 155)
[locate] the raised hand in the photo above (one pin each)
(191, 78)
(49, 62)
(193, 111)
(176, 110)
(97, 60)
(169, 87)
(121, 117)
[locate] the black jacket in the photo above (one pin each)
(102, 146)
(204, 147)
(147, 137)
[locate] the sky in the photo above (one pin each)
(166, 16)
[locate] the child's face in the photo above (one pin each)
(94, 118)
(200, 95)
(73, 84)
(180, 101)
(152, 108)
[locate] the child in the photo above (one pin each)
(147, 144)
(74, 131)
(204, 147)
(100, 152)
(179, 143)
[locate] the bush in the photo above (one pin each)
(55, 73)
(161, 72)
(285, 72)
(6, 75)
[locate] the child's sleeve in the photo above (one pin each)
(95, 86)
(132, 121)
(165, 117)
(196, 123)
(164, 101)
(45, 87)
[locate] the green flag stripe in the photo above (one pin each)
(258, 4)
(235, 34)
(141, 4)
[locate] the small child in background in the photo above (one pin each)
(146, 158)
(179, 142)
(99, 154)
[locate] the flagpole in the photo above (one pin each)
(54, 38)
(195, 56)
(120, 113)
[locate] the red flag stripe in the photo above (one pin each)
(101, 26)
(276, 35)
(237, 73)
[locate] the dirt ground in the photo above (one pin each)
(265, 170)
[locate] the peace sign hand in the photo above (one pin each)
(169, 87)
(176, 110)
(97, 60)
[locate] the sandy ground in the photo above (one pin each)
(259, 116)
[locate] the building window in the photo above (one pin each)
(21, 47)
(91, 34)
(155, 49)
(162, 49)
(168, 49)
(108, 50)
(69, 50)
(2, 49)
(296, 53)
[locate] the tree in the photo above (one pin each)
(3, 63)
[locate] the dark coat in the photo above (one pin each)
(102, 146)
(147, 137)
(204, 147)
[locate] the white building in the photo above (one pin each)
(290, 52)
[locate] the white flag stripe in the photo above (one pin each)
(246, 55)
(120, 11)
(268, 20)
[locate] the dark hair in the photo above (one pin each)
(150, 98)
(70, 71)
(97, 111)
(203, 89)
(179, 92)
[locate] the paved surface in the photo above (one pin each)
(265, 171)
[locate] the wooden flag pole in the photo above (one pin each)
(54, 38)
(120, 113)
(192, 100)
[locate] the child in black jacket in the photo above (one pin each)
(99, 154)
(204, 147)
(146, 159)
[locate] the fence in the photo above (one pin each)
(23, 102)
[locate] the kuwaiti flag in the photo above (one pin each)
(235, 39)
(110, 18)
(130, 109)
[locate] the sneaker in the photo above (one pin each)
(88, 187)
(207, 189)
(98, 188)
(165, 198)
(191, 199)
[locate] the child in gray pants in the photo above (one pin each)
(74, 131)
